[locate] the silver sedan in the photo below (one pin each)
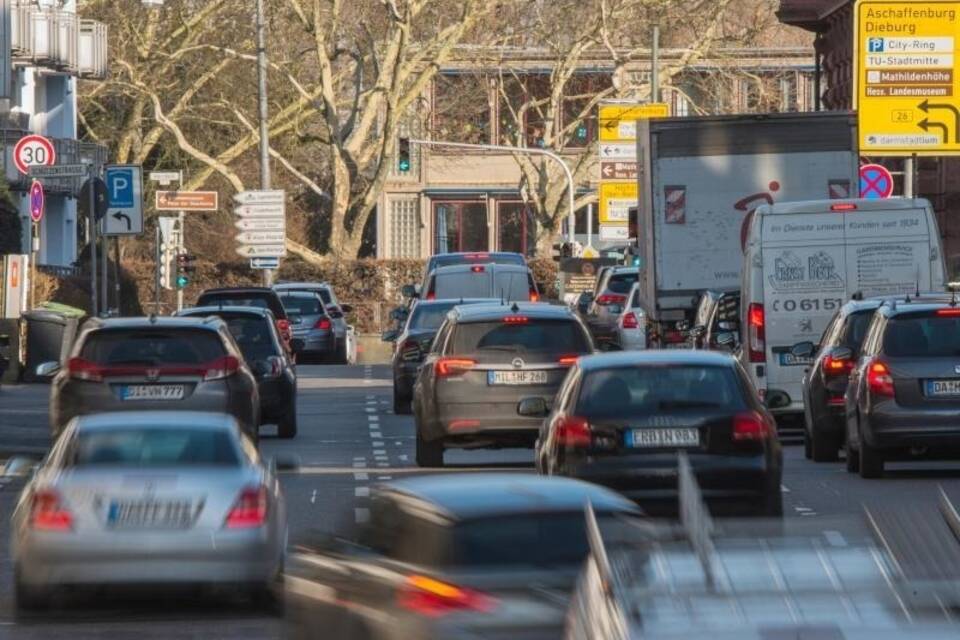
(149, 498)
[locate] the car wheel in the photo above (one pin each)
(871, 461)
(401, 406)
(773, 504)
(287, 426)
(341, 356)
(429, 454)
(807, 445)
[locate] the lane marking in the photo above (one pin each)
(835, 538)
(361, 476)
(370, 410)
(377, 443)
(361, 515)
(362, 492)
(376, 434)
(373, 418)
(313, 497)
(383, 464)
(359, 465)
(398, 443)
(377, 453)
(384, 477)
(784, 488)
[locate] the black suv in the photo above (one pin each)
(903, 398)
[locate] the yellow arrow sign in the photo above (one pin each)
(616, 198)
(618, 122)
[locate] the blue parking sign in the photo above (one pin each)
(124, 200)
(875, 45)
(120, 186)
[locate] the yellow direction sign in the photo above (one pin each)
(618, 122)
(616, 198)
(907, 92)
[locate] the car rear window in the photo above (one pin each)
(427, 317)
(855, 330)
(152, 347)
(135, 447)
(474, 258)
(641, 390)
(254, 337)
(240, 300)
(511, 339)
(621, 282)
(303, 305)
(922, 336)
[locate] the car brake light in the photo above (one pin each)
(431, 296)
(757, 332)
(630, 321)
(949, 313)
(845, 206)
(433, 598)
(879, 379)
(81, 369)
(534, 296)
(454, 366)
(610, 298)
(47, 512)
(836, 400)
(751, 426)
(837, 366)
(573, 432)
(221, 368)
(323, 324)
(250, 509)
(568, 360)
(283, 325)
(410, 350)
(516, 320)
(477, 256)
(478, 268)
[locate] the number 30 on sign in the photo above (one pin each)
(31, 151)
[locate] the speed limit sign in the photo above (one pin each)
(33, 150)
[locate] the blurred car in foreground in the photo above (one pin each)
(155, 363)
(261, 297)
(413, 343)
(903, 397)
(490, 556)
(485, 358)
(619, 420)
(255, 332)
(311, 325)
(149, 498)
(335, 310)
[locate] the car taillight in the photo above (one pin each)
(568, 360)
(534, 296)
(879, 379)
(478, 268)
(81, 369)
(573, 432)
(630, 321)
(757, 332)
(250, 509)
(283, 326)
(410, 351)
(610, 298)
(949, 313)
(751, 426)
(837, 366)
(843, 206)
(48, 513)
(432, 598)
(454, 366)
(431, 296)
(221, 368)
(477, 256)
(323, 323)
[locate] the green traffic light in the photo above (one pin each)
(404, 164)
(182, 282)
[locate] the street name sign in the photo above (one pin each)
(262, 250)
(165, 177)
(620, 151)
(125, 197)
(907, 93)
(261, 224)
(261, 237)
(260, 197)
(187, 201)
(260, 211)
(265, 263)
(618, 170)
(58, 171)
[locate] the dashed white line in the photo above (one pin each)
(361, 492)
(361, 476)
(377, 443)
(313, 497)
(835, 538)
(360, 464)
(378, 453)
(376, 434)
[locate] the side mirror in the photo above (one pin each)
(535, 407)
(398, 314)
(19, 467)
(334, 312)
(727, 325)
(297, 345)
(803, 349)
(260, 368)
(776, 400)
(409, 291)
(48, 369)
(609, 345)
(727, 339)
(390, 335)
(284, 462)
(346, 308)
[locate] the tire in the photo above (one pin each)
(401, 406)
(807, 445)
(341, 354)
(287, 426)
(871, 461)
(28, 599)
(429, 454)
(773, 505)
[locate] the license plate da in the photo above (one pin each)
(151, 514)
(516, 377)
(661, 438)
(153, 392)
(943, 387)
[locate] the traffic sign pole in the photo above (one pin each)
(92, 226)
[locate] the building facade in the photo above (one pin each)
(456, 200)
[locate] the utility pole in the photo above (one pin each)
(655, 64)
(264, 113)
(92, 225)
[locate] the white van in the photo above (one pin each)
(804, 260)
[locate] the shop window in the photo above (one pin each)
(460, 225)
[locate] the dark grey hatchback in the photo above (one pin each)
(485, 358)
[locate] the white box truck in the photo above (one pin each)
(804, 260)
(701, 178)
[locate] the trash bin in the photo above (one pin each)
(50, 336)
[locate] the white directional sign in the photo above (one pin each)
(260, 211)
(258, 250)
(58, 171)
(265, 263)
(261, 237)
(125, 196)
(259, 197)
(261, 224)
(618, 151)
(165, 177)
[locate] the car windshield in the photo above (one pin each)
(153, 447)
(303, 305)
(621, 282)
(641, 390)
(856, 329)
(254, 337)
(520, 336)
(922, 336)
(430, 317)
(152, 347)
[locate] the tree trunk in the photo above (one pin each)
(340, 205)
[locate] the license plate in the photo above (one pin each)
(153, 392)
(943, 387)
(151, 514)
(516, 377)
(655, 438)
(787, 359)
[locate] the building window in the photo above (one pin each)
(461, 108)
(460, 225)
(524, 104)
(405, 228)
(579, 91)
(516, 228)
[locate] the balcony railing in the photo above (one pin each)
(58, 40)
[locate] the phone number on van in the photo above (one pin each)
(807, 304)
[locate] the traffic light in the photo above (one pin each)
(166, 265)
(403, 155)
(633, 257)
(185, 268)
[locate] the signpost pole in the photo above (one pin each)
(95, 306)
(264, 133)
(104, 277)
(909, 166)
(34, 246)
(590, 225)
(180, 242)
(156, 283)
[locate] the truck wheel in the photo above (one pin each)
(429, 454)
(871, 461)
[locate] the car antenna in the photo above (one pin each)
(918, 281)
(514, 308)
(953, 295)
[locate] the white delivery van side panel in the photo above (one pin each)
(888, 252)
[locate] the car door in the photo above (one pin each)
(424, 388)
